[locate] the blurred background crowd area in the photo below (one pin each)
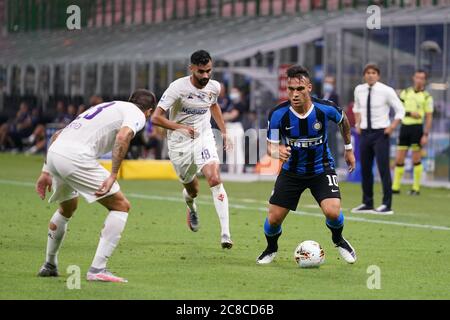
(49, 74)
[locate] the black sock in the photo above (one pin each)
(272, 242)
(336, 234)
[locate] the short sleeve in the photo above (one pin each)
(168, 98)
(218, 88)
(134, 119)
(429, 104)
(334, 113)
(273, 128)
(403, 95)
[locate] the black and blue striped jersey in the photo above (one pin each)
(306, 135)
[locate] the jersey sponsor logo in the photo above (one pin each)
(305, 143)
(195, 111)
(317, 125)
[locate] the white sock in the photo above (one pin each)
(221, 203)
(114, 224)
(189, 201)
(55, 237)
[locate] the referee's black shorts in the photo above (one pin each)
(290, 186)
(410, 136)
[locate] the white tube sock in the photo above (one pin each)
(221, 203)
(189, 201)
(114, 224)
(56, 237)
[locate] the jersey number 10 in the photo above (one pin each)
(332, 180)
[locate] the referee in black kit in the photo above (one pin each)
(373, 100)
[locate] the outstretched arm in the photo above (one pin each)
(344, 127)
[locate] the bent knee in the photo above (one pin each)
(68, 208)
(193, 193)
(124, 205)
(214, 181)
(275, 220)
(332, 211)
(333, 215)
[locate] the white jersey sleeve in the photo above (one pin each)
(218, 88)
(134, 119)
(93, 133)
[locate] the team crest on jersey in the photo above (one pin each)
(317, 126)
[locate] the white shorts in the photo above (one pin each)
(189, 158)
(74, 177)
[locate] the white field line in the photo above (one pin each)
(244, 207)
(247, 200)
(317, 215)
(17, 183)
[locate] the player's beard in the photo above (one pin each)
(203, 81)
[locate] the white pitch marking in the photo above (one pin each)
(237, 206)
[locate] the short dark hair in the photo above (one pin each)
(298, 72)
(373, 66)
(143, 98)
(200, 57)
(422, 71)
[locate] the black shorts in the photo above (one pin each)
(289, 187)
(410, 135)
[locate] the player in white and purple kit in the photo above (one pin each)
(72, 169)
(191, 101)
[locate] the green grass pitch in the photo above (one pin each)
(163, 259)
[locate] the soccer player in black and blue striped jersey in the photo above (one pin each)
(297, 135)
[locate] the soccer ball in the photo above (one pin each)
(309, 254)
